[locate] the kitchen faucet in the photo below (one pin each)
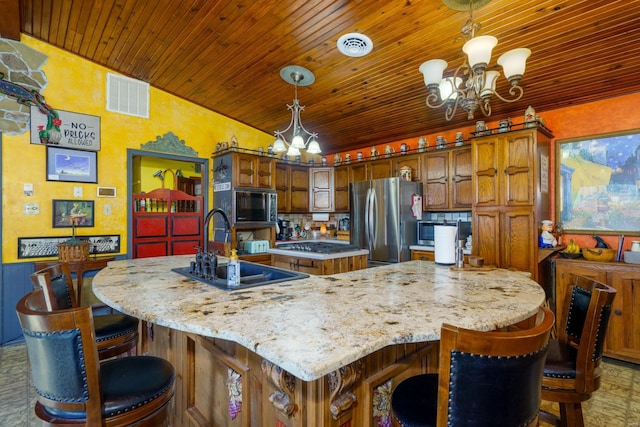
(206, 263)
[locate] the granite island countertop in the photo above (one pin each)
(313, 326)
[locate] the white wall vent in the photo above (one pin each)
(127, 96)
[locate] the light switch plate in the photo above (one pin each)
(31, 208)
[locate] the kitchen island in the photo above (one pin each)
(318, 351)
(319, 257)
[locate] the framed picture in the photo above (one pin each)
(66, 212)
(40, 247)
(598, 184)
(64, 164)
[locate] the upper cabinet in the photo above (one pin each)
(505, 172)
(510, 197)
(321, 189)
(447, 182)
(292, 187)
(341, 189)
(253, 171)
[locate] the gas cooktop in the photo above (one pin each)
(319, 247)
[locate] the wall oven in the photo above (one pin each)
(254, 207)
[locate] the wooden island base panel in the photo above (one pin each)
(319, 351)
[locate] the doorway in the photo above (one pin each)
(148, 170)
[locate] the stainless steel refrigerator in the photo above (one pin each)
(382, 220)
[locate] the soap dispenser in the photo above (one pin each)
(233, 270)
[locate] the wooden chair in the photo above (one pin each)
(484, 379)
(572, 371)
(74, 387)
(116, 333)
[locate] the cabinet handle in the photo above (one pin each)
(618, 312)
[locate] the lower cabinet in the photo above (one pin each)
(320, 267)
(221, 383)
(422, 255)
(623, 336)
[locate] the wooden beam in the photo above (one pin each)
(10, 19)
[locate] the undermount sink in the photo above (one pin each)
(251, 274)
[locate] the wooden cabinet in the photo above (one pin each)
(321, 189)
(510, 184)
(422, 255)
(320, 267)
(166, 222)
(623, 336)
(413, 161)
(210, 371)
(341, 189)
(381, 169)
(359, 172)
(448, 180)
(283, 187)
(253, 171)
(292, 187)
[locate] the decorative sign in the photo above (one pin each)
(78, 131)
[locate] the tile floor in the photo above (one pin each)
(616, 404)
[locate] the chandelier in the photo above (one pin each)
(472, 86)
(297, 76)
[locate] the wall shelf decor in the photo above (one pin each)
(45, 247)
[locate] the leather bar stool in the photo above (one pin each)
(74, 387)
(572, 371)
(116, 333)
(487, 379)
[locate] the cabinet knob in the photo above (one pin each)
(618, 312)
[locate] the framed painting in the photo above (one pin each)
(66, 212)
(64, 164)
(598, 183)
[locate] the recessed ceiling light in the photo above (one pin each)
(354, 44)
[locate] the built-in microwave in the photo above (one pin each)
(426, 231)
(254, 207)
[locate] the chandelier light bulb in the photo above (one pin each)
(513, 63)
(314, 147)
(448, 88)
(432, 71)
(293, 151)
(478, 50)
(297, 142)
(278, 146)
(489, 87)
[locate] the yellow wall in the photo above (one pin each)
(80, 86)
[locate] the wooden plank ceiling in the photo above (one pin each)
(226, 55)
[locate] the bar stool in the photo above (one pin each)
(74, 387)
(572, 371)
(492, 379)
(116, 333)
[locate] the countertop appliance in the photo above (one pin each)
(381, 218)
(256, 246)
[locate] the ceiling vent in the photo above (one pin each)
(354, 44)
(127, 96)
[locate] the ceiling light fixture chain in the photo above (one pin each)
(297, 76)
(479, 84)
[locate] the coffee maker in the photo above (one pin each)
(285, 230)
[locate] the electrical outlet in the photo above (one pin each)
(107, 209)
(77, 191)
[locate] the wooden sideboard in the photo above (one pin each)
(623, 336)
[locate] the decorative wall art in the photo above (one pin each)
(77, 131)
(67, 212)
(43, 247)
(598, 183)
(71, 165)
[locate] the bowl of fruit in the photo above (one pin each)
(571, 251)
